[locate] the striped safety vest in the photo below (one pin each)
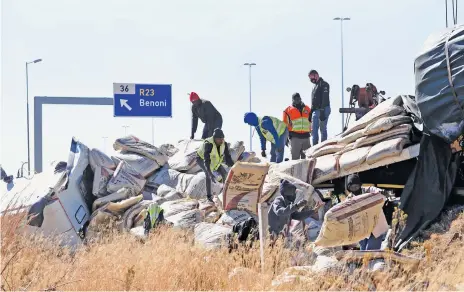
(216, 156)
(278, 125)
(297, 121)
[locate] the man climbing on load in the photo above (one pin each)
(297, 117)
(205, 111)
(284, 209)
(272, 130)
(355, 188)
(320, 106)
(210, 157)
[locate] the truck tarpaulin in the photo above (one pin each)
(439, 71)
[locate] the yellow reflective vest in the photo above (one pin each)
(217, 155)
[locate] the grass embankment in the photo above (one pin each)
(169, 260)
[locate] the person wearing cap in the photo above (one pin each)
(284, 209)
(297, 117)
(205, 111)
(210, 157)
(320, 106)
(270, 129)
(355, 188)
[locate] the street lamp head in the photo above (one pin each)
(346, 18)
(337, 18)
(37, 61)
(249, 64)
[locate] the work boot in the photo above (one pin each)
(210, 198)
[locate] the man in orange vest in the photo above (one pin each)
(298, 120)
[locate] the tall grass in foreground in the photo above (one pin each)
(169, 260)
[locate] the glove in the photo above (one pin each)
(301, 203)
(263, 153)
(322, 116)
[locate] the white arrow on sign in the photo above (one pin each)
(125, 104)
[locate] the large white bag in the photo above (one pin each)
(326, 168)
(236, 150)
(98, 158)
(232, 217)
(404, 129)
(243, 186)
(134, 144)
(385, 124)
(353, 158)
(101, 177)
(196, 188)
(301, 169)
(126, 177)
(351, 221)
(143, 165)
(185, 158)
(211, 236)
(185, 219)
(171, 178)
(389, 148)
(175, 207)
(122, 194)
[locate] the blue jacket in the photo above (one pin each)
(269, 126)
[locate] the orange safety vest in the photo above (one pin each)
(296, 121)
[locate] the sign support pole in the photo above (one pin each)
(263, 226)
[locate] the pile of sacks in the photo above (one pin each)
(381, 134)
(140, 174)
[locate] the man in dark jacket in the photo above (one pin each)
(207, 113)
(210, 157)
(320, 106)
(284, 209)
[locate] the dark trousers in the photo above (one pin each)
(222, 171)
(208, 129)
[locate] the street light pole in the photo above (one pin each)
(27, 115)
(341, 19)
(125, 130)
(249, 77)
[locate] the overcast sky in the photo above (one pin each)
(197, 46)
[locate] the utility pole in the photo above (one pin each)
(341, 19)
(249, 77)
(27, 113)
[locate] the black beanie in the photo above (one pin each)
(218, 133)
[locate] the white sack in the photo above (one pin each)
(171, 178)
(236, 150)
(196, 188)
(301, 169)
(350, 138)
(143, 165)
(165, 193)
(126, 177)
(351, 221)
(101, 177)
(385, 124)
(317, 147)
(353, 158)
(175, 207)
(389, 148)
(132, 217)
(168, 149)
(98, 158)
(370, 140)
(212, 217)
(134, 144)
(185, 219)
(326, 168)
(232, 217)
(243, 187)
(312, 228)
(329, 149)
(247, 156)
(211, 236)
(185, 158)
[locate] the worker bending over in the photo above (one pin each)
(354, 186)
(210, 157)
(208, 114)
(284, 209)
(272, 130)
(297, 117)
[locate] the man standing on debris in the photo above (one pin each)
(320, 105)
(272, 130)
(284, 209)
(297, 117)
(354, 186)
(208, 114)
(210, 157)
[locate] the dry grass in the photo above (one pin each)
(169, 260)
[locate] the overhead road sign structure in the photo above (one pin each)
(142, 100)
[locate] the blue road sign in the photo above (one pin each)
(142, 100)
